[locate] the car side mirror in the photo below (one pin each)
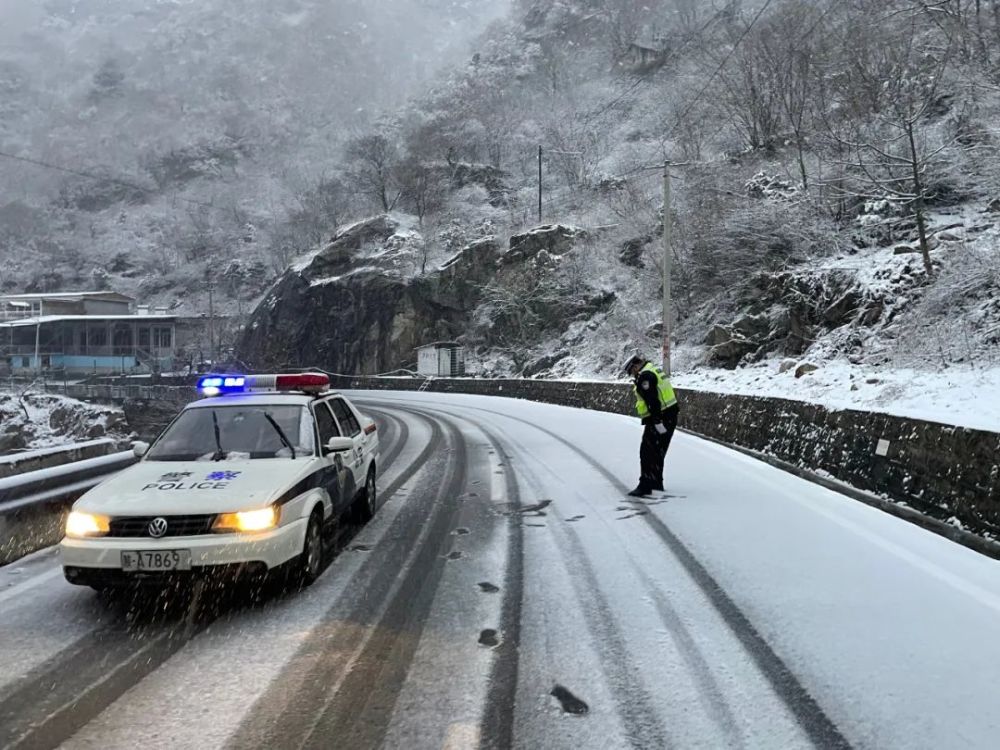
(140, 449)
(339, 445)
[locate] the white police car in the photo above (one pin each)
(246, 480)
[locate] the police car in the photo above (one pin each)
(252, 478)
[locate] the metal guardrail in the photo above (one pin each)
(60, 483)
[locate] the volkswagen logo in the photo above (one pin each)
(157, 527)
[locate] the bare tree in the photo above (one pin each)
(748, 93)
(890, 154)
(522, 307)
(372, 163)
(424, 188)
(789, 49)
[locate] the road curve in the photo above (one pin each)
(508, 595)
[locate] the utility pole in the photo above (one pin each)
(667, 260)
(539, 184)
(211, 321)
(38, 338)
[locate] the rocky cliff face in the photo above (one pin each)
(359, 304)
(364, 302)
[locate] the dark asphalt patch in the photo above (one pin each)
(488, 588)
(633, 515)
(569, 702)
(489, 638)
(536, 509)
(456, 555)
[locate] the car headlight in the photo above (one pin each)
(248, 520)
(83, 525)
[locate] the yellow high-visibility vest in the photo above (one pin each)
(664, 389)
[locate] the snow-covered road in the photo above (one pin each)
(507, 595)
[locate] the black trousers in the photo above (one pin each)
(653, 450)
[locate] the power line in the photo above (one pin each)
(95, 176)
(725, 61)
(687, 110)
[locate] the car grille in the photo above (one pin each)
(138, 526)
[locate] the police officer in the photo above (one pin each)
(657, 407)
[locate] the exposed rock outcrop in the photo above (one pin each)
(495, 181)
(348, 310)
(631, 251)
(553, 239)
(785, 312)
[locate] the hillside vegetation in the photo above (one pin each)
(835, 187)
(835, 183)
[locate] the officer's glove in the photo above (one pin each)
(662, 429)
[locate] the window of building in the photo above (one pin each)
(97, 337)
(163, 338)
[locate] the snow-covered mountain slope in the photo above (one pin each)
(153, 147)
(796, 233)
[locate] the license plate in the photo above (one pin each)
(160, 561)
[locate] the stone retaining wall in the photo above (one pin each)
(944, 471)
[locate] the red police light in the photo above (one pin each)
(308, 382)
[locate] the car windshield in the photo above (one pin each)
(237, 432)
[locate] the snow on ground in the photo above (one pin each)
(958, 395)
(864, 609)
(334, 279)
(747, 608)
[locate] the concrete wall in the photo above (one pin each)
(22, 463)
(29, 530)
(944, 471)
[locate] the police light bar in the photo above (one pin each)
(305, 382)
(215, 385)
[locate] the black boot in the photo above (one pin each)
(641, 491)
(657, 487)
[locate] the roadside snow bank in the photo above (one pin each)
(959, 396)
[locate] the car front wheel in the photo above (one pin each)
(368, 501)
(308, 565)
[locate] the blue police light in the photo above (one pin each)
(215, 385)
